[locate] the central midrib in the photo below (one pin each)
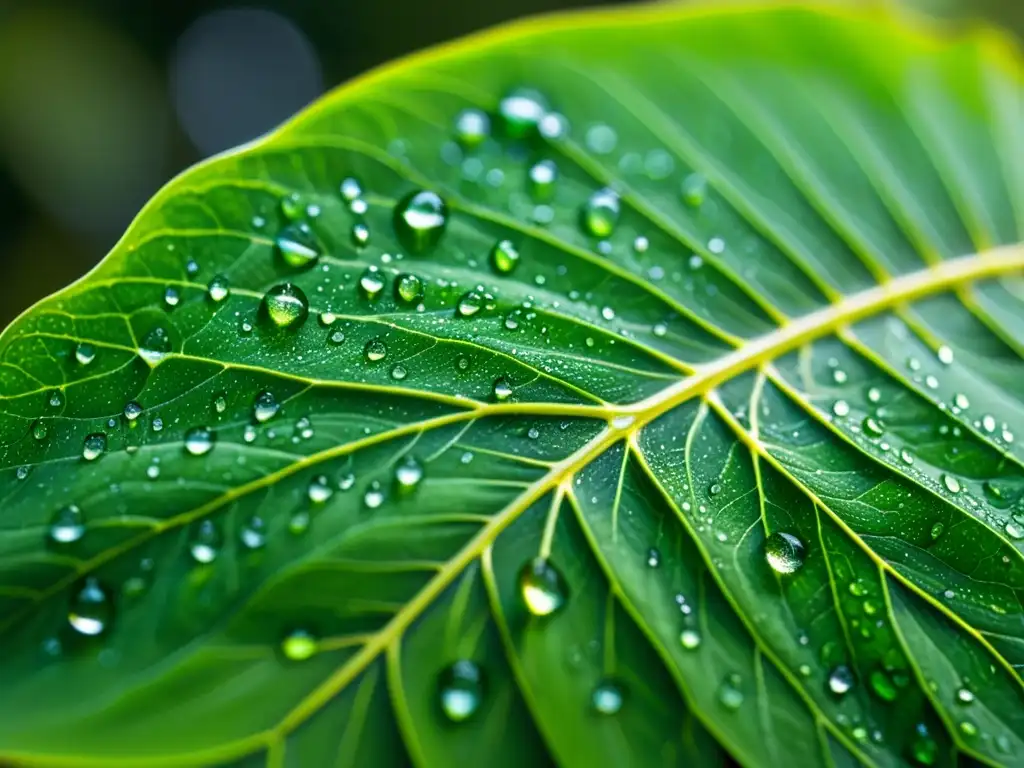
(906, 288)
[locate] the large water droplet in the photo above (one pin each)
(85, 353)
(372, 282)
(67, 525)
(297, 246)
(91, 609)
(374, 495)
(254, 533)
(299, 645)
(600, 213)
(218, 288)
(375, 350)
(205, 543)
(461, 689)
(132, 410)
(265, 407)
(784, 552)
(408, 474)
(502, 389)
(155, 346)
(409, 289)
(420, 220)
(607, 697)
(39, 429)
(504, 256)
(541, 587)
(94, 446)
(469, 304)
(689, 639)
(199, 441)
(521, 111)
(472, 127)
(286, 305)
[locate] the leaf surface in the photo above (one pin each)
(721, 454)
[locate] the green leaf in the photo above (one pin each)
(721, 453)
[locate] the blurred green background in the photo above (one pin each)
(102, 101)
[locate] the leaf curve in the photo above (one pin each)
(756, 406)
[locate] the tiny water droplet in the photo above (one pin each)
(600, 213)
(936, 531)
(67, 525)
(299, 645)
(784, 552)
(319, 490)
(56, 399)
(841, 408)
(336, 337)
(607, 698)
(461, 689)
(420, 219)
(542, 587)
(286, 305)
(729, 694)
(218, 288)
(409, 289)
(965, 696)
(689, 639)
(945, 355)
(265, 407)
(205, 543)
(360, 234)
(504, 256)
(171, 297)
(91, 609)
(541, 180)
(199, 441)
(375, 350)
(94, 446)
(39, 429)
(408, 474)
(872, 427)
(398, 373)
(220, 403)
(132, 410)
(470, 303)
(85, 353)
(350, 189)
(882, 685)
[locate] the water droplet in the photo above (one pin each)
(694, 189)
(461, 687)
(462, 363)
(521, 112)
(56, 399)
(600, 213)
(292, 205)
(470, 303)
(132, 410)
(840, 680)
(945, 355)
(784, 552)
(607, 698)
(420, 220)
(541, 179)
(541, 587)
(39, 429)
(729, 694)
(882, 685)
(360, 234)
(872, 427)
(906, 456)
(220, 403)
(85, 353)
(408, 474)
(350, 189)
(936, 531)
(1014, 530)
(841, 408)
(472, 127)
(715, 489)
(924, 749)
(155, 346)
(502, 389)
(374, 495)
(254, 533)
(265, 407)
(336, 337)
(199, 441)
(874, 395)
(967, 728)
(960, 401)
(399, 372)
(951, 483)
(375, 350)
(372, 282)
(67, 525)
(205, 543)
(965, 696)
(94, 446)
(171, 298)
(297, 246)
(319, 490)
(218, 288)
(286, 305)
(689, 639)
(601, 139)
(91, 609)
(409, 289)
(504, 256)
(299, 645)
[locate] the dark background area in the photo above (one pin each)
(103, 101)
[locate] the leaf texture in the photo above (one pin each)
(721, 456)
